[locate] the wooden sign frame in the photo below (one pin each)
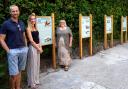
(80, 36)
(53, 39)
(123, 32)
(106, 34)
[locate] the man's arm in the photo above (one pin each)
(3, 43)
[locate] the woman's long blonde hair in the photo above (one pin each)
(28, 21)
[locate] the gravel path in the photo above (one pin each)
(107, 69)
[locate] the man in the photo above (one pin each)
(13, 41)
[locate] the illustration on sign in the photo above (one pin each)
(44, 26)
(124, 24)
(85, 26)
(108, 24)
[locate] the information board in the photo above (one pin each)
(44, 26)
(85, 26)
(124, 23)
(108, 24)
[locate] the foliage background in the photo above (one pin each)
(68, 10)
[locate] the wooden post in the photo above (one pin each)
(80, 35)
(53, 42)
(121, 29)
(91, 34)
(112, 31)
(105, 34)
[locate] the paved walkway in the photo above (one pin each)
(106, 70)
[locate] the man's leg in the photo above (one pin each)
(12, 82)
(21, 65)
(18, 81)
(13, 67)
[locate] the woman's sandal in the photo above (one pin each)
(66, 68)
(39, 84)
(32, 87)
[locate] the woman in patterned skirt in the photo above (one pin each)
(64, 42)
(33, 63)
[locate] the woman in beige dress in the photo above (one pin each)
(33, 63)
(64, 43)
